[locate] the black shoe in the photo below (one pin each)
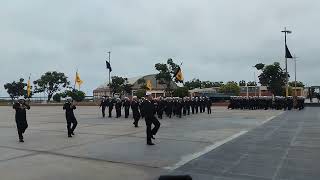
(150, 143)
(21, 140)
(69, 136)
(72, 134)
(152, 137)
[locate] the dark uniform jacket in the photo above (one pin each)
(21, 115)
(69, 110)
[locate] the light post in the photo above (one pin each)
(285, 31)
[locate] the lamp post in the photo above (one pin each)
(285, 31)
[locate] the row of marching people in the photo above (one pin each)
(266, 102)
(170, 106)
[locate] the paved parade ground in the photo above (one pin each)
(216, 146)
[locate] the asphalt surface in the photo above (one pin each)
(285, 148)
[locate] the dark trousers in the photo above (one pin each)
(160, 113)
(110, 112)
(126, 112)
(20, 132)
(154, 130)
(103, 111)
(184, 111)
(209, 109)
(197, 109)
(188, 110)
(192, 110)
(71, 122)
(118, 111)
(21, 127)
(136, 118)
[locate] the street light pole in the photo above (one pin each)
(285, 31)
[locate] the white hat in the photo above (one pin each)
(148, 93)
(21, 98)
(68, 98)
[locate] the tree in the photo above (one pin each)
(143, 84)
(50, 83)
(299, 84)
(16, 89)
(120, 85)
(259, 66)
(75, 95)
(230, 87)
(181, 92)
(217, 84)
(194, 83)
(242, 83)
(251, 83)
(57, 97)
(274, 78)
(140, 93)
(166, 73)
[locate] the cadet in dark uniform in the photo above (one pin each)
(141, 103)
(193, 104)
(179, 107)
(188, 104)
(103, 105)
(161, 106)
(150, 119)
(209, 104)
(126, 105)
(110, 103)
(118, 107)
(135, 110)
(169, 106)
(196, 105)
(71, 119)
(21, 117)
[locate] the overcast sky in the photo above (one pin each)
(217, 40)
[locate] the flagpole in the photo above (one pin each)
(286, 61)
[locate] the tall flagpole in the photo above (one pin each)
(285, 31)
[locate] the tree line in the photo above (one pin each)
(54, 84)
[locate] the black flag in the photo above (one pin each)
(108, 66)
(288, 54)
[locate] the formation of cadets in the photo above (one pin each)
(266, 102)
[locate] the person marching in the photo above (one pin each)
(149, 110)
(118, 107)
(103, 105)
(71, 119)
(208, 104)
(135, 110)
(110, 104)
(161, 106)
(21, 117)
(126, 105)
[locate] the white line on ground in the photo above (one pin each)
(190, 157)
(185, 159)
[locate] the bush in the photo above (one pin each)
(57, 97)
(75, 95)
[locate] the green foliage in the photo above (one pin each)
(75, 95)
(274, 78)
(259, 66)
(194, 83)
(181, 92)
(166, 73)
(230, 87)
(251, 83)
(50, 83)
(140, 93)
(242, 83)
(299, 84)
(57, 97)
(16, 89)
(120, 85)
(143, 84)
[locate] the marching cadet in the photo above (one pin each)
(193, 104)
(196, 106)
(150, 119)
(103, 105)
(169, 107)
(208, 104)
(141, 103)
(135, 110)
(184, 106)
(118, 107)
(161, 106)
(110, 104)
(126, 105)
(179, 107)
(188, 104)
(71, 119)
(21, 117)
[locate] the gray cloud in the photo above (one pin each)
(215, 40)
